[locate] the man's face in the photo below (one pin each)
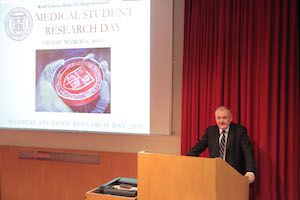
(223, 119)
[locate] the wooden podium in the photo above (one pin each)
(91, 195)
(172, 177)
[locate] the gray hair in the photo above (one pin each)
(222, 108)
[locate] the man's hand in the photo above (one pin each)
(250, 177)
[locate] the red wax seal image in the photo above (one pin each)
(77, 82)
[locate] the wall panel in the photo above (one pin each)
(33, 179)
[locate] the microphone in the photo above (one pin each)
(217, 143)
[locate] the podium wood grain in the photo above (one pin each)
(162, 177)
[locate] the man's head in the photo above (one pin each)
(223, 117)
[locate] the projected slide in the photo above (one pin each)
(79, 65)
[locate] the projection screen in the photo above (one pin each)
(101, 66)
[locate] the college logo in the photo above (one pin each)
(18, 24)
(78, 81)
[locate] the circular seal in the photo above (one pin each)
(18, 24)
(77, 82)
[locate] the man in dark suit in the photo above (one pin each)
(228, 141)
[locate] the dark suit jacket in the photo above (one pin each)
(239, 150)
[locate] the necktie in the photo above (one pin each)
(222, 145)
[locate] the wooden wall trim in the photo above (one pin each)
(37, 179)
